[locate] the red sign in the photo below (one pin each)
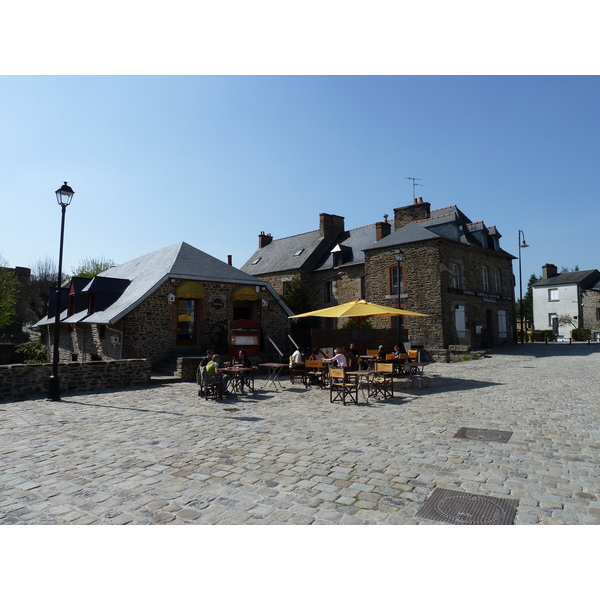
(217, 303)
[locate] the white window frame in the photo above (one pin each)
(552, 294)
(498, 280)
(551, 316)
(486, 279)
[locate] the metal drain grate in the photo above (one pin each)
(483, 435)
(462, 508)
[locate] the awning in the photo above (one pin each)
(191, 289)
(244, 292)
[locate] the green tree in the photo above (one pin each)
(9, 289)
(90, 267)
(527, 300)
(43, 277)
(299, 297)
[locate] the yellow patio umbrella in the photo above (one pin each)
(359, 310)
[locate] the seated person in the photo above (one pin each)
(243, 361)
(318, 354)
(398, 351)
(297, 358)
(338, 360)
(381, 354)
(212, 372)
(351, 359)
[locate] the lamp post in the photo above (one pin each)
(64, 195)
(522, 244)
(399, 256)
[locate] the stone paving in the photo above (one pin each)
(162, 455)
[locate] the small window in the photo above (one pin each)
(551, 317)
(553, 295)
(396, 281)
(598, 314)
(486, 279)
(328, 292)
(456, 276)
(299, 252)
(498, 281)
(256, 260)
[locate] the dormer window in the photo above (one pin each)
(336, 253)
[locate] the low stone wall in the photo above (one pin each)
(19, 381)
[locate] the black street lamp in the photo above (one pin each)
(399, 256)
(64, 195)
(522, 244)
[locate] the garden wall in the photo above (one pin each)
(19, 381)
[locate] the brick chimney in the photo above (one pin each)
(382, 229)
(230, 259)
(264, 239)
(330, 225)
(549, 270)
(413, 212)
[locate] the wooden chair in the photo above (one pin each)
(342, 387)
(209, 389)
(382, 382)
(372, 352)
(296, 371)
(313, 373)
(389, 357)
(413, 355)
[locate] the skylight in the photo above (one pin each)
(256, 260)
(299, 252)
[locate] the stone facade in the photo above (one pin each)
(428, 287)
(150, 329)
(24, 381)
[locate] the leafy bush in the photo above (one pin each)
(581, 334)
(32, 352)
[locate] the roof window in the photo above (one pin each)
(256, 260)
(299, 252)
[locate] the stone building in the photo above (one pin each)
(174, 301)
(451, 269)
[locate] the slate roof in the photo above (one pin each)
(584, 278)
(352, 244)
(411, 232)
(285, 254)
(129, 284)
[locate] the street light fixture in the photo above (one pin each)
(64, 195)
(399, 256)
(522, 244)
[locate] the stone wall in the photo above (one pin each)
(427, 279)
(23, 381)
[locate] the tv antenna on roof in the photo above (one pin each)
(415, 184)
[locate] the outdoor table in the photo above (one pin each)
(360, 375)
(414, 368)
(235, 379)
(274, 370)
(370, 359)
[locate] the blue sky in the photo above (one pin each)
(215, 160)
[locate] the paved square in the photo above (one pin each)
(162, 455)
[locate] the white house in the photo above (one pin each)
(558, 295)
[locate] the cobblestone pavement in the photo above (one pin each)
(159, 455)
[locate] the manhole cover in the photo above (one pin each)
(462, 508)
(484, 435)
